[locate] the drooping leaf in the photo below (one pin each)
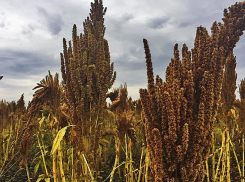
(58, 139)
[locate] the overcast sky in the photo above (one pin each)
(31, 34)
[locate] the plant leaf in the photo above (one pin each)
(41, 121)
(108, 112)
(47, 179)
(58, 139)
(40, 177)
(36, 167)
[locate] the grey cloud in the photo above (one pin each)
(184, 24)
(24, 64)
(2, 24)
(130, 64)
(54, 21)
(157, 23)
(118, 22)
(123, 64)
(126, 17)
(28, 29)
(132, 78)
(200, 20)
(134, 73)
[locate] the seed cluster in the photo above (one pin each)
(87, 75)
(179, 112)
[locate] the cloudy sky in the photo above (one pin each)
(31, 35)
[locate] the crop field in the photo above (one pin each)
(187, 128)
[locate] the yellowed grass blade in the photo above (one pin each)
(41, 121)
(206, 162)
(58, 139)
(91, 175)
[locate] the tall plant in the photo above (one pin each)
(87, 75)
(180, 112)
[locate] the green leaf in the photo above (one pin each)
(58, 139)
(36, 167)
